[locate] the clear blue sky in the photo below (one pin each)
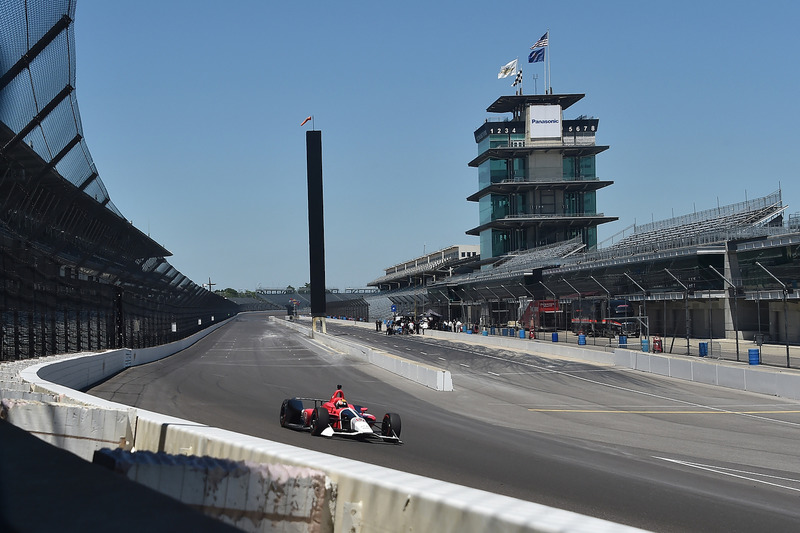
(192, 111)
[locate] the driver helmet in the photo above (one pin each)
(341, 402)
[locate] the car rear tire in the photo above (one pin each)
(319, 421)
(291, 412)
(391, 426)
(284, 408)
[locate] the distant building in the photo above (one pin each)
(429, 267)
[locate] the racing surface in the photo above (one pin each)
(634, 448)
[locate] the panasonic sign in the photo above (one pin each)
(545, 121)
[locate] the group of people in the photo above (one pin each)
(453, 325)
(403, 326)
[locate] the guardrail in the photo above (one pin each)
(356, 496)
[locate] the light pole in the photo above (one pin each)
(735, 308)
(489, 303)
(447, 301)
(785, 311)
(518, 302)
(608, 300)
(644, 300)
(580, 307)
(555, 302)
(686, 300)
(533, 297)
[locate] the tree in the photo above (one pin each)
(229, 293)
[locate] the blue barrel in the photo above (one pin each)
(623, 340)
(645, 345)
(754, 356)
(485, 333)
(503, 331)
(582, 339)
(522, 334)
(469, 331)
(555, 336)
(703, 349)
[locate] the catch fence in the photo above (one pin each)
(75, 275)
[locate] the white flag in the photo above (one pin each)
(509, 69)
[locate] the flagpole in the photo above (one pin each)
(549, 81)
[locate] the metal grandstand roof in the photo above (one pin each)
(434, 267)
(507, 104)
(50, 190)
(63, 207)
(510, 187)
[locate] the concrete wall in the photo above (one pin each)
(250, 496)
(430, 376)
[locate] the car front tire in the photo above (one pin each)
(319, 421)
(391, 426)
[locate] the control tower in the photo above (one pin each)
(536, 175)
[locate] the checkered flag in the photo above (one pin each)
(518, 79)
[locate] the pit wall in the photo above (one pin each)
(430, 376)
(362, 498)
(784, 383)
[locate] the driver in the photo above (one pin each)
(338, 398)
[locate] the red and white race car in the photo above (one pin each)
(338, 417)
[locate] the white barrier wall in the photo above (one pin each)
(76, 428)
(375, 499)
(784, 383)
(250, 496)
(773, 381)
(430, 376)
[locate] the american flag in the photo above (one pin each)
(518, 79)
(542, 41)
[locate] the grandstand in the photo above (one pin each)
(76, 274)
(757, 213)
(755, 218)
(706, 251)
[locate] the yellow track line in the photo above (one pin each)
(660, 412)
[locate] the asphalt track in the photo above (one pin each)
(634, 448)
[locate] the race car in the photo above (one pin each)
(338, 417)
